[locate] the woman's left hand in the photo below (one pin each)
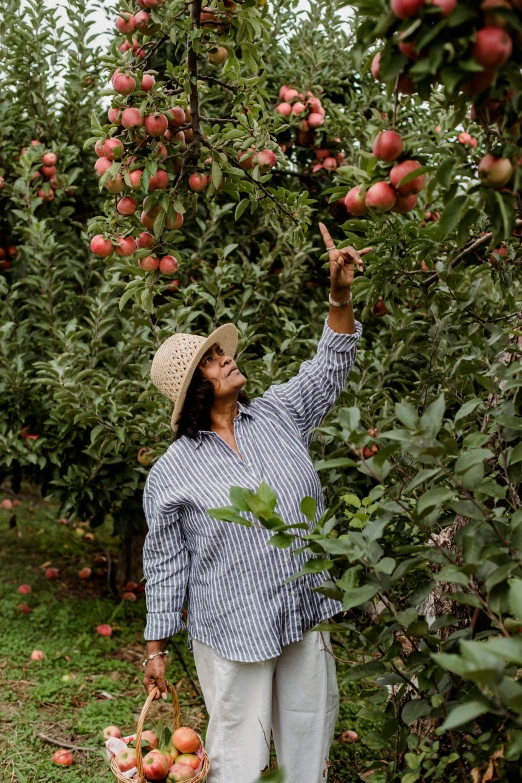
(342, 265)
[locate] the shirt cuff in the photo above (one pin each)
(163, 625)
(340, 342)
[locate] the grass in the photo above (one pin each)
(86, 681)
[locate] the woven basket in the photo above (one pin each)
(139, 755)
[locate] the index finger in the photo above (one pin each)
(328, 241)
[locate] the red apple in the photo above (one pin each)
(298, 108)
(179, 773)
(329, 164)
(190, 759)
(355, 202)
(168, 265)
(24, 589)
(405, 204)
(155, 766)
(402, 170)
(130, 587)
(376, 66)
(63, 757)
(131, 118)
(111, 731)
(129, 597)
(446, 6)
(315, 120)
(24, 609)
(388, 146)
(123, 84)
(125, 24)
(160, 181)
(198, 182)
(156, 124)
(406, 8)
(52, 573)
(101, 247)
(101, 166)
(113, 149)
(148, 263)
(493, 47)
(143, 21)
(114, 116)
(186, 740)
(50, 159)
(151, 738)
(284, 108)
(266, 160)
(381, 197)
(84, 573)
(247, 158)
(127, 206)
(176, 117)
(126, 246)
(148, 82)
(104, 630)
(145, 240)
(495, 172)
(175, 224)
(125, 759)
(38, 655)
(115, 184)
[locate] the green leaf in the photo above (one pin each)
(217, 174)
(309, 508)
(282, 540)
(431, 420)
(339, 462)
(434, 497)
(352, 500)
(355, 596)
(362, 670)
(451, 215)
(468, 407)
(463, 713)
(407, 414)
(228, 515)
(243, 204)
(515, 597)
(415, 709)
(316, 565)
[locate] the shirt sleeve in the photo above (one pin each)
(166, 566)
(312, 393)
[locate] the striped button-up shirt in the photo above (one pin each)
(230, 575)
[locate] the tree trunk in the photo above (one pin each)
(131, 526)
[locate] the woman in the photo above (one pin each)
(262, 670)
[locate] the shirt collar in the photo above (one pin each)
(244, 410)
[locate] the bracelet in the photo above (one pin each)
(154, 655)
(340, 304)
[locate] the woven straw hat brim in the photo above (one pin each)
(226, 337)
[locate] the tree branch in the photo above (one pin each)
(466, 252)
(213, 80)
(63, 744)
(192, 65)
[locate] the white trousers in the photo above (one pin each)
(294, 696)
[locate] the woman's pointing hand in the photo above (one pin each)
(342, 263)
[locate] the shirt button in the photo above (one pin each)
(286, 558)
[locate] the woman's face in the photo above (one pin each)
(219, 368)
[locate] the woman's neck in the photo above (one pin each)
(222, 414)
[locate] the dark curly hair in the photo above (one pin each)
(195, 414)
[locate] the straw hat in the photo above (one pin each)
(176, 359)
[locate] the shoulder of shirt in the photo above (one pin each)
(172, 459)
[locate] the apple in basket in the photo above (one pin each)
(179, 772)
(156, 765)
(125, 759)
(190, 759)
(151, 739)
(186, 740)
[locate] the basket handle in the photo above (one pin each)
(141, 721)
